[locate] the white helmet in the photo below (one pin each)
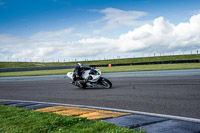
(80, 65)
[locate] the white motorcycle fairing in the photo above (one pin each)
(70, 75)
(92, 75)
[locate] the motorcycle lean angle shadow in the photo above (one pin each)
(91, 79)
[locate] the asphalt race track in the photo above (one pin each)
(175, 92)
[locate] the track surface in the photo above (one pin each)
(166, 92)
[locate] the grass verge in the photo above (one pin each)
(18, 120)
(151, 67)
(108, 69)
(113, 61)
(36, 73)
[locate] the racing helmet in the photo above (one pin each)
(80, 65)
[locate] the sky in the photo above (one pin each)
(69, 30)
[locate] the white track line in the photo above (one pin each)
(121, 110)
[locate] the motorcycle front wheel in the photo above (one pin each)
(106, 83)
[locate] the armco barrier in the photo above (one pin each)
(103, 65)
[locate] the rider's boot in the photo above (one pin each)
(72, 82)
(79, 83)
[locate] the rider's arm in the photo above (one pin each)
(86, 68)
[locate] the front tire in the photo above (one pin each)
(105, 83)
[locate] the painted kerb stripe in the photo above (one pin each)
(82, 112)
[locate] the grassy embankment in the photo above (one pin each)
(114, 61)
(18, 120)
(106, 69)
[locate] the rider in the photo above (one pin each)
(78, 72)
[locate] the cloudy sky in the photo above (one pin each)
(52, 30)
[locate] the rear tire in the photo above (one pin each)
(106, 83)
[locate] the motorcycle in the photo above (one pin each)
(91, 79)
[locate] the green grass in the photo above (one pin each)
(18, 120)
(36, 73)
(114, 61)
(108, 69)
(151, 67)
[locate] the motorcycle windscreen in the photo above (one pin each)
(94, 72)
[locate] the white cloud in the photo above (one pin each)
(157, 37)
(42, 45)
(116, 18)
(59, 35)
(45, 52)
(160, 36)
(80, 35)
(23, 54)
(113, 15)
